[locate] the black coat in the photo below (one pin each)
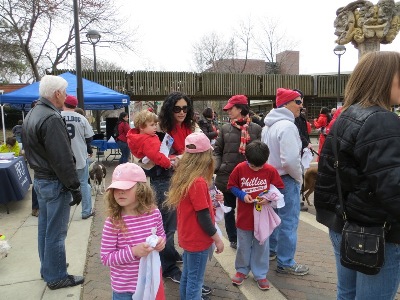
(47, 145)
(369, 166)
(301, 124)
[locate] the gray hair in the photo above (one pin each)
(50, 84)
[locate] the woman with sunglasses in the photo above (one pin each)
(176, 119)
(229, 151)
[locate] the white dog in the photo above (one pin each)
(97, 174)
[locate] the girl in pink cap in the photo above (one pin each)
(189, 194)
(132, 215)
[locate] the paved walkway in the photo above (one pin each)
(20, 279)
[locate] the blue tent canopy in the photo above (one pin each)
(96, 96)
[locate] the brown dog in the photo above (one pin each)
(309, 183)
(97, 173)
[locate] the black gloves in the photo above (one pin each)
(76, 197)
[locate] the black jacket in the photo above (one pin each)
(47, 145)
(207, 127)
(369, 168)
(301, 124)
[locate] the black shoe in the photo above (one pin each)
(233, 245)
(70, 280)
(204, 297)
(205, 290)
(175, 277)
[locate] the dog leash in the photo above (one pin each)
(313, 151)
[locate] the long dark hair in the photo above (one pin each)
(166, 116)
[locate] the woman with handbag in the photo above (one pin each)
(364, 189)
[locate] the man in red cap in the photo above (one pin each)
(282, 137)
(81, 134)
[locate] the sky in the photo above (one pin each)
(167, 31)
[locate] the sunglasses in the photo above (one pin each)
(177, 109)
(298, 102)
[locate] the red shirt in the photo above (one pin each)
(253, 183)
(179, 133)
(191, 236)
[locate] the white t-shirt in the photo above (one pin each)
(79, 129)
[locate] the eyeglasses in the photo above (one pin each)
(177, 109)
(298, 102)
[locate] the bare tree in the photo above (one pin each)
(210, 49)
(270, 41)
(101, 64)
(44, 30)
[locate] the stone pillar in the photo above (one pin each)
(369, 45)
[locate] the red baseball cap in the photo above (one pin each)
(71, 100)
(237, 99)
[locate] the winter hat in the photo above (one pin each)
(237, 99)
(126, 175)
(197, 142)
(71, 100)
(284, 96)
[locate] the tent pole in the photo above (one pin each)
(2, 120)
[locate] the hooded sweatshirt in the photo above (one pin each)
(283, 139)
(142, 145)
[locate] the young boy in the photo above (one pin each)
(143, 141)
(247, 181)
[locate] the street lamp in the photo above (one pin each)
(93, 36)
(339, 51)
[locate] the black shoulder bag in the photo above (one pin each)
(363, 247)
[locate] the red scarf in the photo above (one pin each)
(179, 133)
(244, 130)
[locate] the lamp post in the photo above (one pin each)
(93, 36)
(339, 51)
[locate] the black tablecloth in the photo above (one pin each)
(14, 180)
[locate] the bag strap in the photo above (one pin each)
(336, 166)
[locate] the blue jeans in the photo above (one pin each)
(194, 267)
(53, 220)
(250, 255)
(124, 152)
(121, 296)
(284, 238)
(355, 285)
(83, 176)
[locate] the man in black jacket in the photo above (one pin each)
(48, 150)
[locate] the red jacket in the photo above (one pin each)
(322, 121)
(142, 145)
(123, 128)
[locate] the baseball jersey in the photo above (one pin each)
(79, 129)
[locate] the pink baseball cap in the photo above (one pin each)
(197, 142)
(125, 176)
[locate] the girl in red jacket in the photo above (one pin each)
(321, 123)
(189, 193)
